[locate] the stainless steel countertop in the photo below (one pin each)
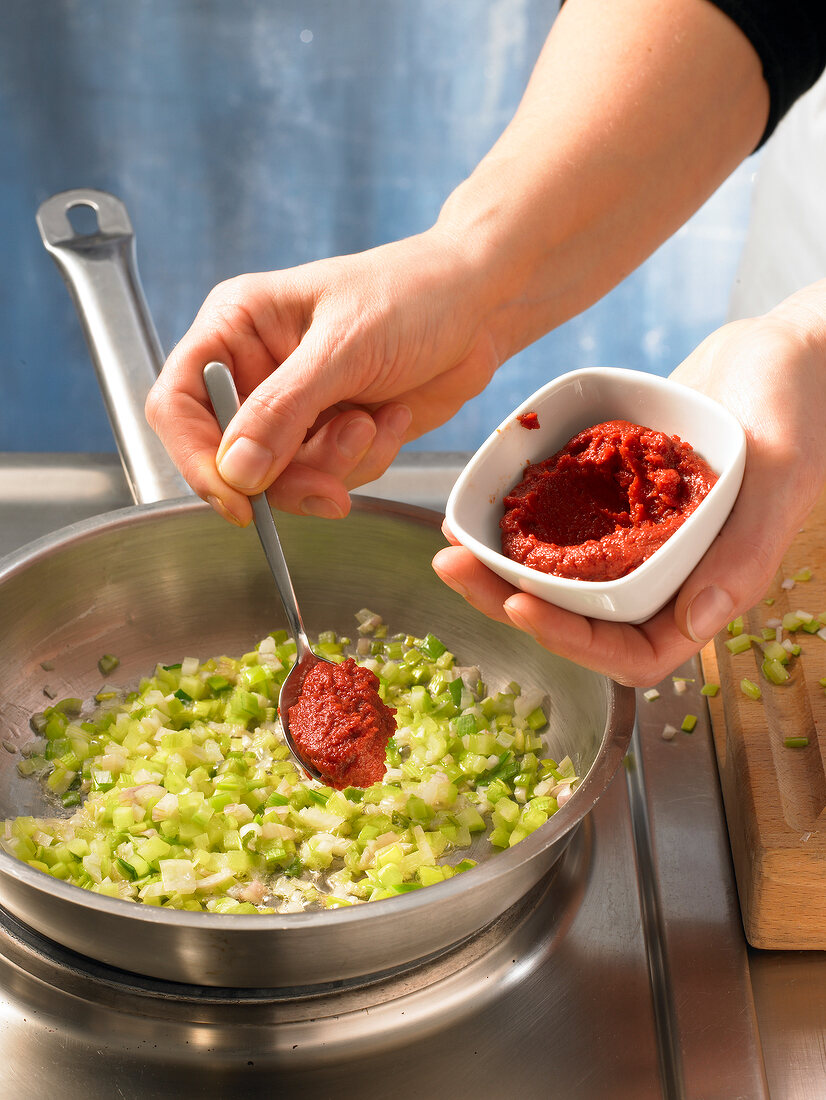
(699, 963)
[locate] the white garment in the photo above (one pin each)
(785, 246)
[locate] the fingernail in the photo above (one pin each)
(708, 612)
(245, 465)
(222, 510)
(323, 507)
(356, 436)
(398, 419)
(517, 619)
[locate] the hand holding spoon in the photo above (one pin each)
(224, 397)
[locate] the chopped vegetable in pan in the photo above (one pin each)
(184, 794)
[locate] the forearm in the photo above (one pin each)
(637, 110)
(621, 134)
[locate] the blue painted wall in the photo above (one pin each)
(256, 134)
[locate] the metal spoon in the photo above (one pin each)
(224, 397)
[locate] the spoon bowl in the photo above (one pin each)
(224, 397)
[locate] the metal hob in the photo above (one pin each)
(623, 974)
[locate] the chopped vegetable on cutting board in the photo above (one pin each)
(769, 726)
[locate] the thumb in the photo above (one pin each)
(738, 567)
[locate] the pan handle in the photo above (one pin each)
(100, 270)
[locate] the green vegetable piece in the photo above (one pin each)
(749, 688)
(126, 868)
(774, 651)
(688, 723)
(70, 707)
(796, 742)
(218, 683)
(432, 647)
(537, 719)
(465, 725)
(102, 779)
(775, 671)
(739, 644)
(709, 689)
(108, 663)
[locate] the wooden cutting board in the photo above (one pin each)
(774, 796)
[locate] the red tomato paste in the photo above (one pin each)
(529, 420)
(341, 725)
(603, 504)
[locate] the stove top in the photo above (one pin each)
(623, 974)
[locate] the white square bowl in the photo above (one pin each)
(564, 407)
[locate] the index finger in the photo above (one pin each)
(186, 425)
(239, 325)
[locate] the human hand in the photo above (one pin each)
(337, 363)
(769, 372)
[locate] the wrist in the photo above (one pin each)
(489, 223)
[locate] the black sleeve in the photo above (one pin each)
(790, 39)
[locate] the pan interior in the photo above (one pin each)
(159, 584)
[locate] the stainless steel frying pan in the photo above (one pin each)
(168, 579)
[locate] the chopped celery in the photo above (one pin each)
(749, 688)
(185, 795)
(432, 647)
(775, 670)
(774, 651)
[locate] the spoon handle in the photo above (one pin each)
(224, 397)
